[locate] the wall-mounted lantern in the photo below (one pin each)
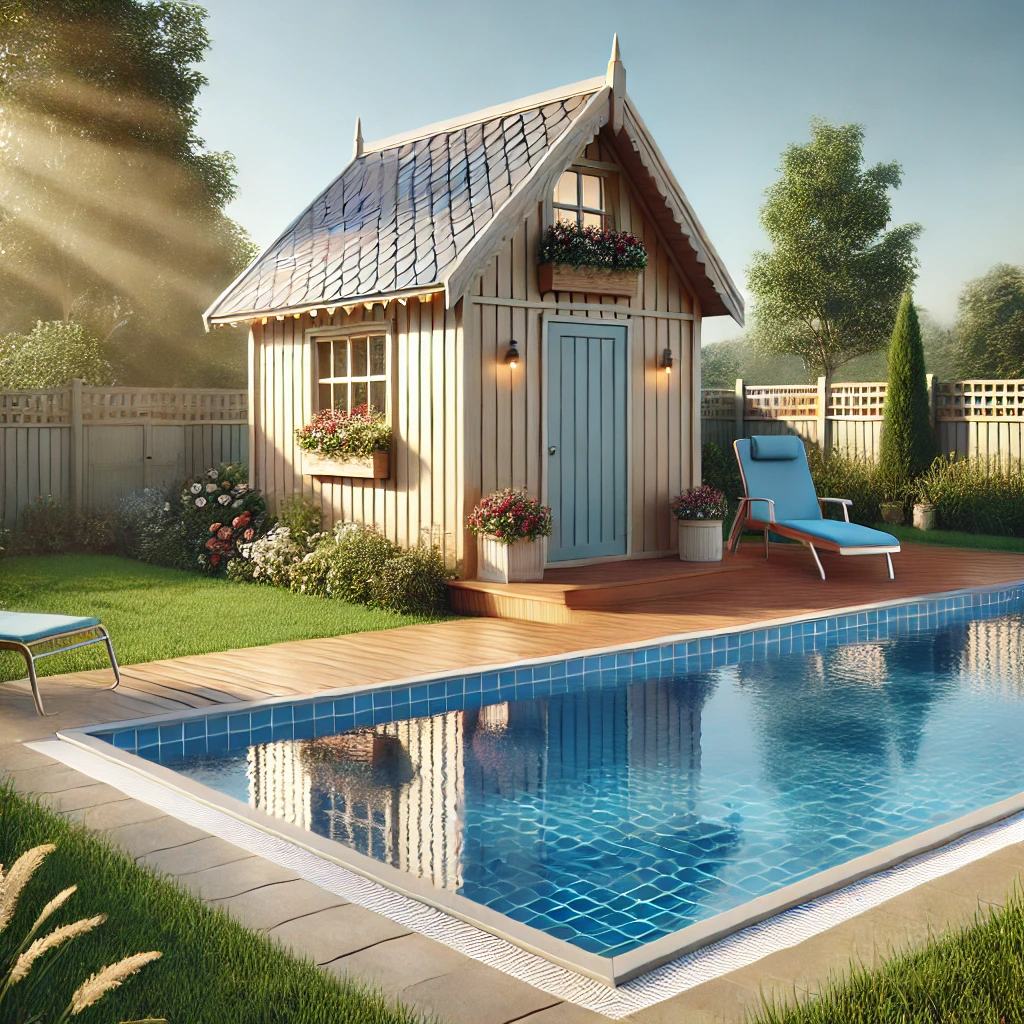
(512, 355)
(666, 360)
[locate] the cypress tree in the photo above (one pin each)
(908, 445)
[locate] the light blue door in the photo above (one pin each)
(587, 438)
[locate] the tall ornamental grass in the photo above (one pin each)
(975, 496)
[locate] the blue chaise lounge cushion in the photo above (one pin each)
(776, 448)
(847, 535)
(26, 627)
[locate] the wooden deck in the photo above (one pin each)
(753, 591)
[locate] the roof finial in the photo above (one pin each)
(616, 81)
(357, 147)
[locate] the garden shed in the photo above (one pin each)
(412, 283)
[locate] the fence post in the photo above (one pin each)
(824, 423)
(740, 407)
(77, 444)
(930, 383)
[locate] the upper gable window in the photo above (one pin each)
(352, 371)
(580, 198)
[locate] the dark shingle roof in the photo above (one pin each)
(400, 214)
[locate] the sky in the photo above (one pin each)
(724, 87)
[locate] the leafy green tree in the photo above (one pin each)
(50, 355)
(828, 290)
(908, 444)
(990, 325)
(111, 207)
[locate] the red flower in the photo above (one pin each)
(224, 533)
(249, 534)
(214, 560)
(214, 527)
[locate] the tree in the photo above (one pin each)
(111, 207)
(828, 290)
(990, 325)
(50, 355)
(907, 445)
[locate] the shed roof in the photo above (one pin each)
(431, 207)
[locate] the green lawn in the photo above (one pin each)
(213, 971)
(162, 613)
(973, 976)
(954, 539)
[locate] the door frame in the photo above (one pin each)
(627, 322)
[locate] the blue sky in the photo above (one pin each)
(724, 87)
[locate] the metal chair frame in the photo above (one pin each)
(26, 649)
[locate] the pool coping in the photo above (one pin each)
(612, 971)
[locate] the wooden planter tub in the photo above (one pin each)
(560, 277)
(372, 467)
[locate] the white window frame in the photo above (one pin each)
(552, 208)
(364, 329)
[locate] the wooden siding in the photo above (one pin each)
(421, 497)
(503, 428)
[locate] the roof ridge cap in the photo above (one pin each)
(487, 113)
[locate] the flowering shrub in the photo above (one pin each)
(220, 514)
(592, 247)
(510, 515)
(343, 564)
(270, 558)
(49, 527)
(703, 502)
(345, 435)
(414, 582)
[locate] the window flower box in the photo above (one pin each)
(368, 467)
(561, 277)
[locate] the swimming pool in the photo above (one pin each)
(631, 804)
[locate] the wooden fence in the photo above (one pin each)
(976, 418)
(93, 446)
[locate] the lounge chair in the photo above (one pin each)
(26, 632)
(780, 499)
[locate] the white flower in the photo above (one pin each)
(167, 506)
(200, 502)
(212, 474)
(210, 488)
(196, 488)
(237, 504)
(223, 499)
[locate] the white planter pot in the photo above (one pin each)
(924, 516)
(700, 540)
(521, 562)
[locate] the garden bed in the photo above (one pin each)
(155, 613)
(212, 969)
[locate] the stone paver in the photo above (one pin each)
(208, 852)
(397, 964)
(48, 778)
(17, 757)
(990, 879)
(232, 879)
(479, 994)
(329, 934)
(273, 905)
(121, 812)
(145, 837)
(714, 1002)
(567, 1013)
(82, 798)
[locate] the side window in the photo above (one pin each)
(581, 198)
(351, 372)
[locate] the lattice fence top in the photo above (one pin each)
(43, 407)
(718, 403)
(782, 401)
(171, 405)
(53, 407)
(856, 400)
(979, 399)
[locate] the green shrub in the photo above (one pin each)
(721, 471)
(975, 496)
(843, 476)
(151, 530)
(907, 444)
(414, 582)
(48, 527)
(343, 564)
(302, 516)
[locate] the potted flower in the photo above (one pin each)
(512, 528)
(578, 259)
(700, 512)
(351, 444)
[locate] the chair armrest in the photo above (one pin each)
(771, 506)
(845, 502)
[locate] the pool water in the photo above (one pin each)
(648, 796)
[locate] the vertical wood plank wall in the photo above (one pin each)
(422, 497)
(503, 430)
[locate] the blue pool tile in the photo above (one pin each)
(260, 718)
(217, 743)
(238, 723)
(171, 733)
(282, 714)
(418, 709)
(435, 690)
(303, 730)
(418, 693)
(216, 724)
(381, 699)
(150, 752)
(474, 683)
(437, 706)
(364, 702)
(283, 731)
(195, 729)
(148, 737)
(345, 706)
(125, 739)
(172, 751)
(323, 709)
(323, 726)
(454, 687)
(238, 740)
(342, 723)
(196, 745)
(262, 734)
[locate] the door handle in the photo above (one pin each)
(552, 450)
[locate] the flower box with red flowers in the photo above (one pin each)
(353, 444)
(513, 529)
(590, 260)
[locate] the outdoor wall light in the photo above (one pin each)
(512, 355)
(666, 360)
